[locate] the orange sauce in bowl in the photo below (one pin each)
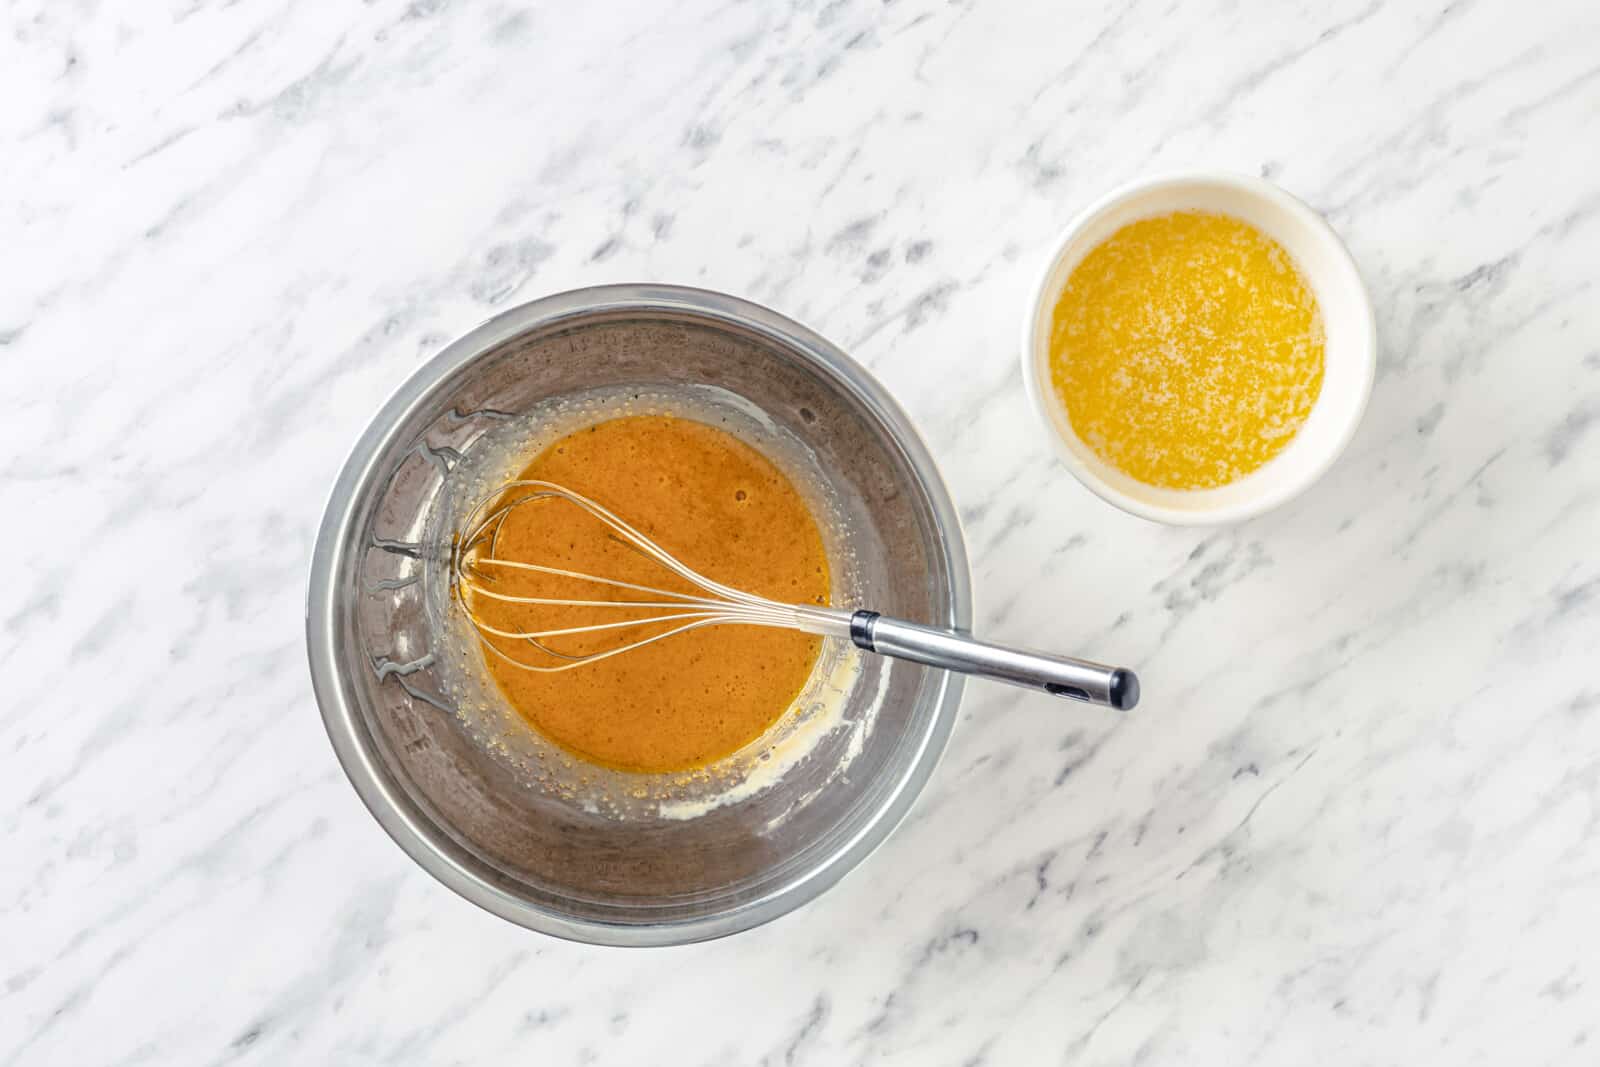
(716, 504)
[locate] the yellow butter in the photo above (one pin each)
(1187, 349)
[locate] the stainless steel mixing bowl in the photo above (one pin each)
(541, 860)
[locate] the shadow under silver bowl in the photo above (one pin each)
(541, 860)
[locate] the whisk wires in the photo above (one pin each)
(476, 565)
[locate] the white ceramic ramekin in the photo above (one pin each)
(1351, 352)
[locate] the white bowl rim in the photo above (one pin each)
(1041, 394)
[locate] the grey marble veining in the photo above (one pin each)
(1357, 817)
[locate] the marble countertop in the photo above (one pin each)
(1357, 816)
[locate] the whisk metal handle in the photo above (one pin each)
(1061, 676)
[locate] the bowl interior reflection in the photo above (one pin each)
(544, 859)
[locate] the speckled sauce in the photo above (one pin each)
(1187, 349)
(715, 503)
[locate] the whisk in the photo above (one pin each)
(475, 566)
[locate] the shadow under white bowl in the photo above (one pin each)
(1350, 354)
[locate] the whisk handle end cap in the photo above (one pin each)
(1124, 689)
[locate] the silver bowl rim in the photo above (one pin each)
(411, 828)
